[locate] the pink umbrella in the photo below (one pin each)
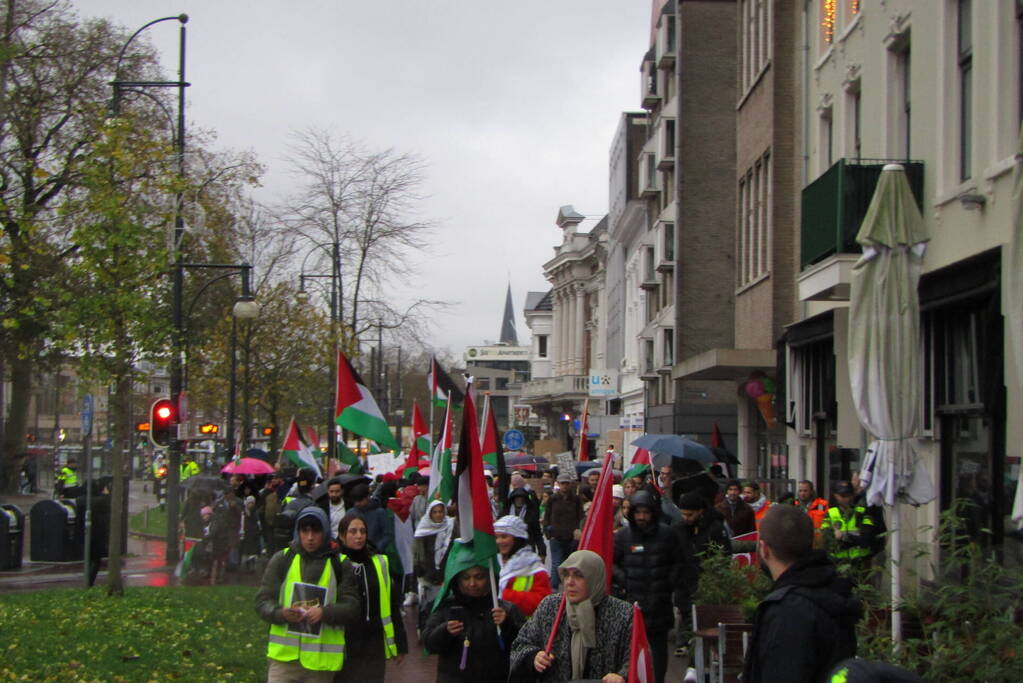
(248, 466)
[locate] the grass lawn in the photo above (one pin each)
(151, 634)
(151, 521)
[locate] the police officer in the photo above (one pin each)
(189, 467)
(67, 479)
(849, 532)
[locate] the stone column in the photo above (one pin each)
(580, 327)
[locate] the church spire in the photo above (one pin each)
(508, 335)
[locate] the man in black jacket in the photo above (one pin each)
(646, 560)
(701, 530)
(807, 624)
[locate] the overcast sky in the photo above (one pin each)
(512, 105)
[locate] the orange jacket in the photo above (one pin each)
(816, 508)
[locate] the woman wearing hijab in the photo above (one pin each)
(593, 640)
(463, 629)
(523, 581)
(431, 540)
(379, 634)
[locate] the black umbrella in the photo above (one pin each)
(202, 482)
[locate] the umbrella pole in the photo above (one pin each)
(896, 556)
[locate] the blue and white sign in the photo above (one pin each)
(603, 383)
(87, 409)
(514, 440)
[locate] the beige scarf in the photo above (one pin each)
(581, 616)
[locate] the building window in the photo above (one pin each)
(814, 374)
(829, 17)
(669, 138)
(541, 346)
(669, 32)
(903, 109)
(826, 151)
(754, 234)
(669, 241)
(855, 122)
(669, 347)
(965, 50)
(651, 171)
(755, 34)
(648, 355)
(649, 265)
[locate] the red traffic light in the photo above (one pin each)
(162, 422)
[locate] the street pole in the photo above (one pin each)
(232, 397)
(176, 360)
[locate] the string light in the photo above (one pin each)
(854, 7)
(828, 12)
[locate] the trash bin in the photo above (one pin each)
(55, 535)
(12, 536)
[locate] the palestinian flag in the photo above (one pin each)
(493, 454)
(442, 482)
(640, 464)
(356, 410)
(641, 667)
(185, 565)
(441, 386)
(297, 451)
(349, 457)
(421, 436)
(475, 519)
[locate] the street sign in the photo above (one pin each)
(87, 415)
(514, 440)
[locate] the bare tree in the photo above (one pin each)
(364, 202)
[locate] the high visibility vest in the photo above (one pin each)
(384, 581)
(68, 477)
(325, 652)
(189, 469)
(855, 522)
(522, 583)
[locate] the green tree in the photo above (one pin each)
(54, 75)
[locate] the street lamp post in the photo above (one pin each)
(335, 319)
(176, 364)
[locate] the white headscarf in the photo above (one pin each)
(442, 529)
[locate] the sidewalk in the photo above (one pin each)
(143, 565)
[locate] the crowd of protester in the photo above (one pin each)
(385, 549)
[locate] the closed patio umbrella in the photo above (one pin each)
(1014, 298)
(884, 335)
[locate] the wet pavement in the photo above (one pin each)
(144, 565)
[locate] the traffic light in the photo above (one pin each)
(142, 426)
(268, 431)
(162, 422)
(209, 429)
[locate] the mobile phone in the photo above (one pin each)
(456, 613)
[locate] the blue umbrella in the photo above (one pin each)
(664, 447)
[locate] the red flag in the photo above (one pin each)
(715, 437)
(475, 520)
(641, 667)
(598, 529)
(584, 443)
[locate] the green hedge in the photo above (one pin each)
(151, 634)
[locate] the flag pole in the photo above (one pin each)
(493, 594)
(582, 429)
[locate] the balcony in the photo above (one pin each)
(649, 284)
(547, 388)
(833, 206)
(665, 266)
(650, 97)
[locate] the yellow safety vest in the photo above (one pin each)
(835, 520)
(325, 652)
(189, 469)
(68, 477)
(384, 580)
(522, 583)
